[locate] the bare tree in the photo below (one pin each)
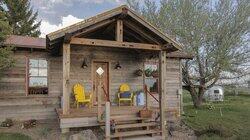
(216, 32)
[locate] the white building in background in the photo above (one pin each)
(215, 93)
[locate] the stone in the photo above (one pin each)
(84, 135)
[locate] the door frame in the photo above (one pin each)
(93, 74)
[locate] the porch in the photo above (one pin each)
(105, 41)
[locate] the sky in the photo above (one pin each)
(56, 14)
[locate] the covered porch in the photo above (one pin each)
(118, 42)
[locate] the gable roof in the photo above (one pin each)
(26, 42)
(122, 10)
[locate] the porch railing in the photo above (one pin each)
(105, 94)
(148, 92)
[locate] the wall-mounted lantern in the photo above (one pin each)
(84, 64)
(118, 66)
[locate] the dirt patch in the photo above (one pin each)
(44, 130)
(49, 130)
(179, 131)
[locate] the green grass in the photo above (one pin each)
(209, 123)
(13, 136)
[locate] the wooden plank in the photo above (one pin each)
(99, 101)
(66, 72)
(78, 122)
(141, 32)
(134, 133)
(162, 64)
(135, 125)
(94, 27)
(119, 30)
(154, 29)
(107, 120)
(114, 44)
(122, 118)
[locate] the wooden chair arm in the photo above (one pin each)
(118, 95)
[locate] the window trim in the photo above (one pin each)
(28, 75)
(152, 62)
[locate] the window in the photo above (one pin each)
(216, 91)
(151, 78)
(38, 80)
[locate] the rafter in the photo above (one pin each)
(140, 31)
(93, 27)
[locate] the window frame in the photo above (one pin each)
(152, 62)
(28, 75)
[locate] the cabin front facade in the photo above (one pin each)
(101, 54)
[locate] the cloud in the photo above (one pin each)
(53, 10)
(46, 27)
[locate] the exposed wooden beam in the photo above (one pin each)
(66, 72)
(67, 38)
(119, 30)
(163, 70)
(133, 36)
(138, 18)
(114, 44)
(94, 27)
(141, 32)
(109, 29)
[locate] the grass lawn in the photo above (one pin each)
(13, 136)
(222, 120)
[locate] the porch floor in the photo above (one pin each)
(92, 112)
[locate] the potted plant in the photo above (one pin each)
(155, 73)
(148, 72)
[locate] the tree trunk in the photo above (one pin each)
(197, 96)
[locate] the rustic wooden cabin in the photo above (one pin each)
(100, 53)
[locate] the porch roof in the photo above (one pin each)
(57, 37)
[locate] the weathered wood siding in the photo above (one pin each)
(173, 85)
(14, 103)
(128, 59)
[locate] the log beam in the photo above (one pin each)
(114, 44)
(119, 30)
(90, 29)
(66, 71)
(141, 32)
(163, 69)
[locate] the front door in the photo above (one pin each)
(101, 76)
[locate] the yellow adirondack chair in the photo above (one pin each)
(125, 89)
(81, 96)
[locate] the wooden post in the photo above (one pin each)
(180, 91)
(163, 69)
(119, 30)
(147, 98)
(66, 72)
(99, 101)
(107, 120)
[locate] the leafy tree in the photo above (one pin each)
(21, 17)
(6, 60)
(215, 32)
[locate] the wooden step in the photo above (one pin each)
(121, 118)
(135, 125)
(134, 133)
